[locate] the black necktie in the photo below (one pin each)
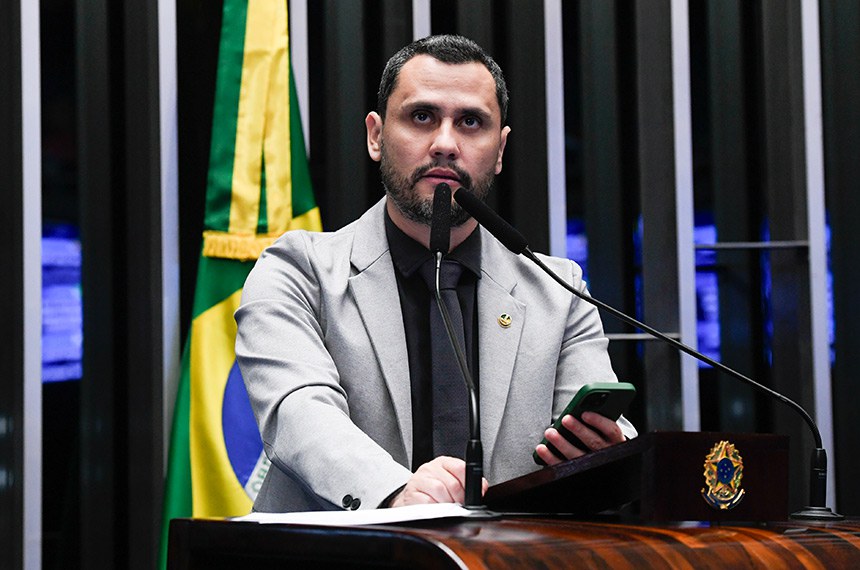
(450, 397)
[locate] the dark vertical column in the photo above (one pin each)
(99, 192)
(11, 293)
(523, 185)
(840, 45)
(601, 155)
(397, 30)
(444, 15)
(610, 210)
(474, 20)
(656, 157)
(142, 372)
(736, 216)
(339, 95)
(121, 440)
(198, 29)
(785, 189)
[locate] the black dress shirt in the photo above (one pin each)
(408, 255)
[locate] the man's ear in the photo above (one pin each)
(373, 122)
(503, 142)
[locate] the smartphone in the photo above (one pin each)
(608, 399)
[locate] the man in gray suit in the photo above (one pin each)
(333, 334)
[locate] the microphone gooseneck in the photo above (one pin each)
(494, 223)
(440, 242)
(514, 241)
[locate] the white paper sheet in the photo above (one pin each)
(361, 517)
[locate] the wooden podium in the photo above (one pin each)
(511, 542)
(662, 474)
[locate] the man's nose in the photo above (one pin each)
(445, 143)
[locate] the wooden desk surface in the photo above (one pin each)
(515, 542)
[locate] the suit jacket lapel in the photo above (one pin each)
(374, 288)
(498, 344)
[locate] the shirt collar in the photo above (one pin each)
(408, 255)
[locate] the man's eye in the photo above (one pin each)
(471, 122)
(421, 117)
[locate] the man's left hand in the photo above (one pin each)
(594, 431)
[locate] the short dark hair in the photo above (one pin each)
(447, 49)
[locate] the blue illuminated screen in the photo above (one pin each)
(707, 290)
(62, 310)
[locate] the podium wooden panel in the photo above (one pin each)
(512, 542)
(663, 472)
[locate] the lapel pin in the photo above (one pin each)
(505, 320)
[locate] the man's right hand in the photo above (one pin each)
(442, 480)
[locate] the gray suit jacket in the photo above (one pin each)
(322, 348)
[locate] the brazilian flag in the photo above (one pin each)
(258, 187)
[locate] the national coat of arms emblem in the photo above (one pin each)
(724, 470)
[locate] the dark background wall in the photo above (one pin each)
(104, 438)
(12, 291)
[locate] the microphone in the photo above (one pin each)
(514, 241)
(440, 242)
(440, 221)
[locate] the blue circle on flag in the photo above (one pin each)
(241, 436)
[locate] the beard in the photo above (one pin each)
(401, 190)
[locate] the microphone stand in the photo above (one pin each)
(440, 235)
(818, 509)
(474, 450)
(514, 241)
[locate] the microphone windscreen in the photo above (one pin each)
(440, 222)
(502, 230)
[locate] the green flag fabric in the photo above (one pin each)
(258, 187)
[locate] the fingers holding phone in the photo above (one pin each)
(606, 431)
(575, 438)
(587, 424)
(556, 448)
